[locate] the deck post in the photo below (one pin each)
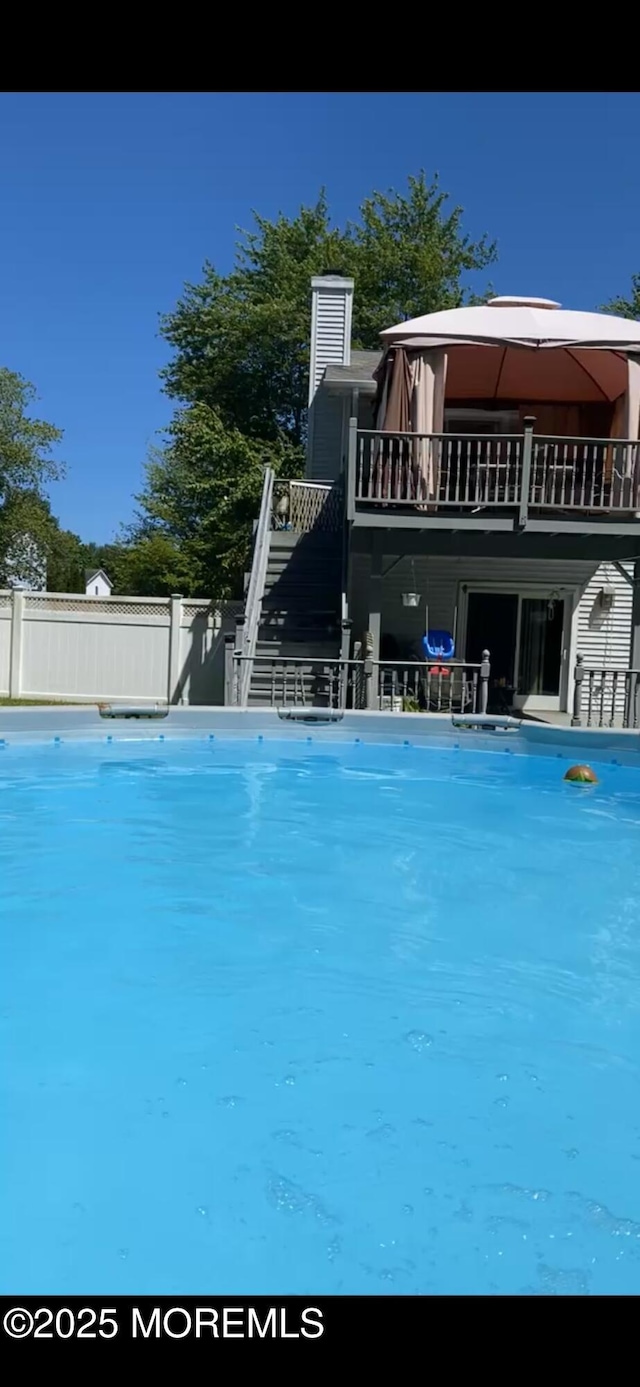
(370, 700)
(375, 601)
(229, 643)
(485, 671)
(345, 649)
(578, 676)
(633, 684)
(525, 479)
(352, 456)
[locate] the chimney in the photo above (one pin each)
(331, 308)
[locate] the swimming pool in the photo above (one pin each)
(321, 1017)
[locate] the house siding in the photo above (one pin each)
(327, 432)
(603, 639)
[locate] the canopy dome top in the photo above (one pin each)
(516, 301)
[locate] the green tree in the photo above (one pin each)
(409, 255)
(201, 496)
(67, 559)
(26, 466)
(240, 365)
(627, 308)
(26, 444)
(34, 546)
(153, 566)
(241, 341)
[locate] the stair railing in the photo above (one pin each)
(255, 591)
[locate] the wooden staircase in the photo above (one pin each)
(300, 618)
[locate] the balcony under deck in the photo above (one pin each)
(509, 483)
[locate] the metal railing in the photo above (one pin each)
(390, 686)
(605, 697)
(496, 471)
(303, 506)
(253, 606)
(299, 682)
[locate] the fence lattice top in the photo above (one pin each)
(110, 606)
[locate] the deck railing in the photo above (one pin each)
(249, 625)
(303, 506)
(464, 473)
(591, 474)
(467, 472)
(390, 686)
(602, 697)
(438, 469)
(605, 697)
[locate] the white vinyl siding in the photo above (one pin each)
(604, 639)
(332, 301)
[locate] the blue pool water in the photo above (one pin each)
(279, 1017)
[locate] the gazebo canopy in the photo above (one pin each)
(516, 349)
(519, 322)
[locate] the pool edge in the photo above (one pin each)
(83, 723)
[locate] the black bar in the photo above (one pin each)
(338, 1324)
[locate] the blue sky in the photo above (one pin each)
(111, 201)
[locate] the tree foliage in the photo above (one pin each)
(201, 497)
(240, 365)
(26, 466)
(34, 546)
(627, 308)
(241, 341)
(153, 566)
(26, 444)
(409, 255)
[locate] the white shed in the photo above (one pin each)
(97, 584)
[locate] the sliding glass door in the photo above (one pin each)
(540, 653)
(527, 636)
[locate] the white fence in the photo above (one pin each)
(66, 646)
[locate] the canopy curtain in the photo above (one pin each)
(411, 389)
(622, 466)
(393, 415)
(429, 371)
